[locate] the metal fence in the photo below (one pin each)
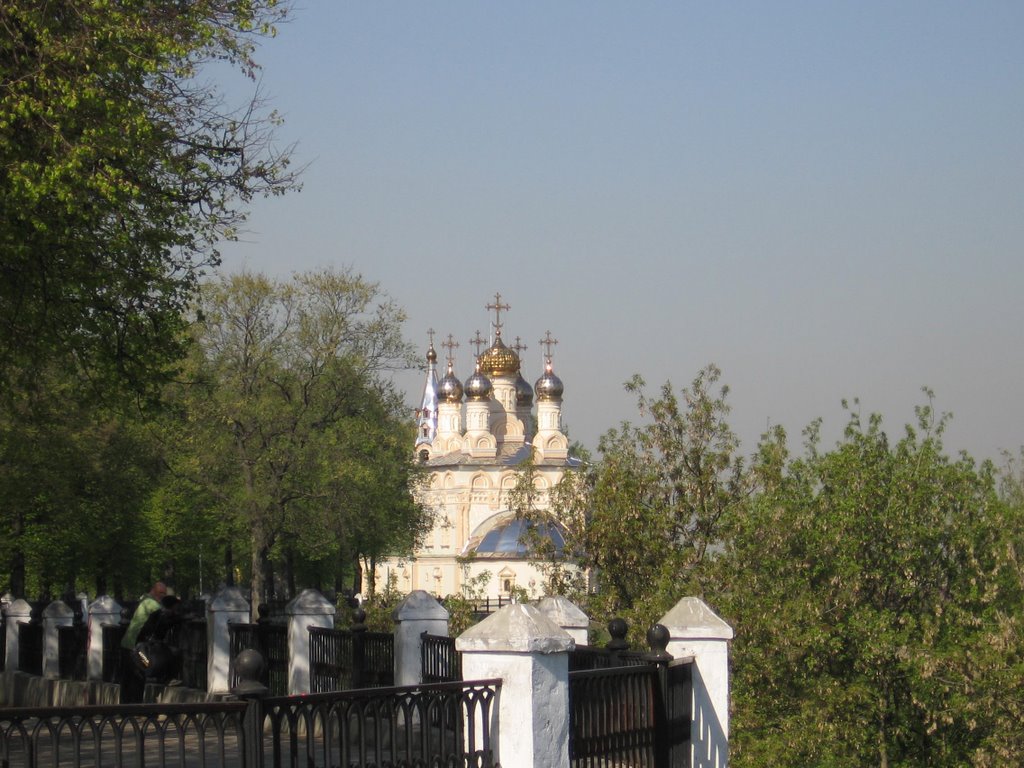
(441, 662)
(30, 648)
(446, 724)
(210, 734)
(271, 640)
(72, 642)
(443, 725)
(190, 639)
(341, 660)
(113, 634)
(637, 715)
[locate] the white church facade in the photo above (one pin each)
(474, 438)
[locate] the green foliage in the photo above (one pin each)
(651, 510)
(121, 168)
(73, 479)
(877, 599)
(287, 431)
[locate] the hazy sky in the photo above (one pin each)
(824, 199)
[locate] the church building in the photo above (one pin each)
(474, 437)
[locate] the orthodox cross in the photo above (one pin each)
(451, 344)
(430, 333)
(498, 308)
(518, 346)
(547, 342)
(477, 341)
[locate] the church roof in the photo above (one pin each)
(508, 456)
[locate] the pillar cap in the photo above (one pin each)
(691, 619)
(516, 628)
(419, 605)
(564, 612)
(228, 599)
(309, 602)
(19, 607)
(104, 604)
(58, 609)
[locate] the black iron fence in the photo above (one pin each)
(112, 636)
(127, 735)
(271, 640)
(3, 642)
(446, 724)
(637, 714)
(72, 643)
(30, 648)
(441, 662)
(190, 640)
(341, 659)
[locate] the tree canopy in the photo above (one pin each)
(120, 167)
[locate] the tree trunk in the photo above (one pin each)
(18, 557)
(229, 566)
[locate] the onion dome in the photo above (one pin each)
(549, 386)
(524, 392)
(478, 386)
(450, 388)
(431, 354)
(499, 360)
(512, 538)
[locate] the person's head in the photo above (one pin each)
(159, 591)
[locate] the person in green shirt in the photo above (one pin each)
(132, 681)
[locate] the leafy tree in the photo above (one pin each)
(877, 597)
(122, 167)
(288, 427)
(655, 501)
(74, 480)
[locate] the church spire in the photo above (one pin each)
(426, 415)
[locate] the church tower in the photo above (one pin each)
(475, 437)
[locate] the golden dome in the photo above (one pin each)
(499, 360)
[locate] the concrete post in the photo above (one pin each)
(419, 612)
(566, 614)
(695, 630)
(308, 609)
(102, 610)
(530, 654)
(18, 612)
(56, 614)
(227, 606)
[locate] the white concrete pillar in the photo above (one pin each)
(419, 612)
(308, 609)
(566, 614)
(56, 614)
(102, 610)
(530, 654)
(18, 612)
(227, 606)
(695, 630)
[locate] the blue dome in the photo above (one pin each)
(510, 538)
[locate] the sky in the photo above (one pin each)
(826, 200)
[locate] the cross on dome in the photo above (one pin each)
(547, 342)
(498, 308)
(478, 341)
(451, 344)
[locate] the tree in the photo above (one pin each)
(288, 426)
(656, 500)
(122, 167)
(878, 598)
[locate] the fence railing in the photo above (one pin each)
(190, 639)
(113, 634)
(126, 735)
(445, 724)
(71, 649)
(30, 648)
(271, 640)
(340, 659)
(441, 662)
